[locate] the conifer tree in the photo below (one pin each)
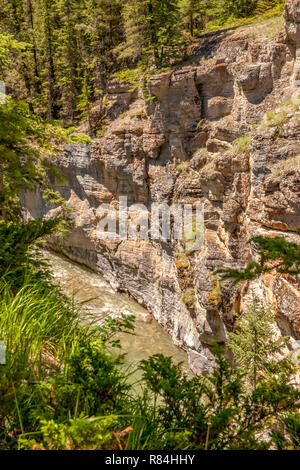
(253, 344)
(100, 32)
(224, 9)
(193, 13)
(68, 60)
(275, 254)
(84, 105)
(31, 34)
(130, 50)
(161, 32)
(49, 29)
(69, 37)
(156, 28)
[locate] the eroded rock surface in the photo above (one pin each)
(248, 187)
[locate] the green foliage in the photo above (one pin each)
(90, 383)
(129, 76)
(225, 9)
(8, 45)
(189, 296)
(276, 119)
(79, 433)
(253, 344)
(216, 294)
(182, 261)
(193, 14)
(27, 145)
(113, 326)
(288, 438)
(84, 104)
(58, 373)
(214, 412)
(283, 166)
(47, 48)
(35, 321)
(63, 384)
(229, 11)
(137, 77)
(62, 389)
(16, 257)
(183, 166)
(56, 370)
(275, 254)
(263, 5)
(242, 144)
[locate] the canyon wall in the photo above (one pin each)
(219, 129)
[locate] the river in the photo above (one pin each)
(84, 284)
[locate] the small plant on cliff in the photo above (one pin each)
(85, 101)
(189, 297)
(184, 166)
(155, 36)
(182, 261)
(140, 114)
(285, 165)
(276, 119)
(132, 76)
(242, 144)
(216, 294)
(253, 344)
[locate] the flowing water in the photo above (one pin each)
(84, 285)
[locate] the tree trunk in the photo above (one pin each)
(30, 20)
(192, 24)
(153, 37)
(53, 108)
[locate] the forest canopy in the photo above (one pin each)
(64, 51)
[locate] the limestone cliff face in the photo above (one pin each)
(292, 16)
(248, 186)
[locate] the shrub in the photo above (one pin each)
(189, 297)
(276, 119)
(182, 261)
(141, 114)
(242, 144)
(79, 433)
(184, 166)
(129, 76)
(217, 411)
(16, 257)
(216, 294)
(56, 369)
(286, 165)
